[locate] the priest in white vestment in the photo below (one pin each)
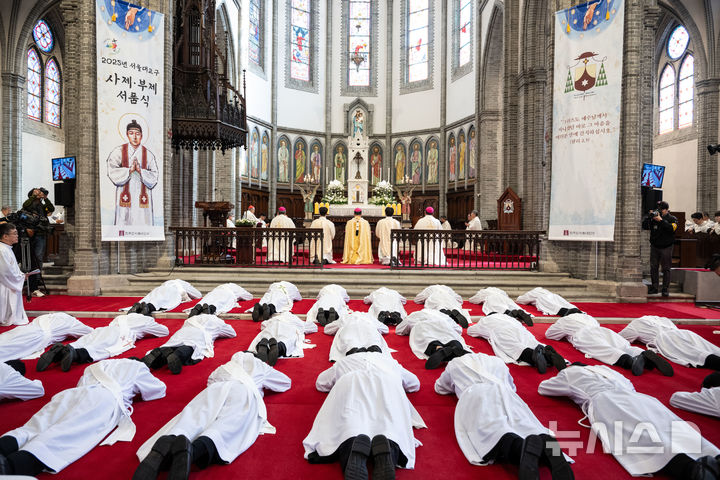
(358, 330)
(13, 383)
(473, 224)
(165, 297)
(445, 300)
(496, 300)
(11, 279)
(547, 302)
(330, 306)
(328, 228)
(386, 305)
(429, 251)
(281, 336)
(387, 249)
(29, 341)
(220, 299)
(433, 337)
(279, 249)
(278, 298)
(706, 401)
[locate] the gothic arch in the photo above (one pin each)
(223, 22)
(491, 71)
(41, 9)
(679, 11)
(369, 109)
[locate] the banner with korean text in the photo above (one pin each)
(587, 94)
(130, 77)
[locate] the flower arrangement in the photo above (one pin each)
(335, 193)
(245, 222)
(382, 194)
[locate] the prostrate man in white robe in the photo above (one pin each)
(433, 337)
(166, 297)
(706, 401)
(326, 255)
(493, 424)
(281, 336)
(386, 305)
(473, 224)
(77, 419)
(103, 342)
(548, 302)
(29, 341)
(13, 383)
(642, 433)
(331, 305)
(278, 298)
(354, 332)
(677, 345)
(444, 299)
(429, 251)
(600, 343)
(496, 300)
(513, 343)
(11, 279)
(280, 249)
(365, 417)
(221, 299)
(194, 341)
(387, 250)
(216, 426)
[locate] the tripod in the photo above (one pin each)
(27, 260)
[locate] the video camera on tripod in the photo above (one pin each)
(27, 224)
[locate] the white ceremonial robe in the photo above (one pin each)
(664, 337)
(430, 251)
(248, 215)
(356, 317)
(494, 300)
(77, 419)
(488, 406)
(29, 341)
(385, 300)
(587, 336)
(386, 248)
(11, 285)
(280, 249)
(446, 225)
(426, 331)
(473, 225)
(367, 396)
(544, 300)
(282, 295)
(641, 433)
(288, 329)
(119, 336)
(140, 210)
(404, 327)
(507, 337)
(439, 297)
(170, 294)
(706, 401)
(330, 296)
(14, 385)
(356, 333)
(200, 333)
(230, 411)
(326, 253)
(224, 297)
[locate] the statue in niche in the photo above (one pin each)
(472, 155)
(339, 162)
(358, 123)
(415, 163)
(432, 163)
(283, 162)
(461, 156)
(399, 165)
(316, 162)
(375, 165)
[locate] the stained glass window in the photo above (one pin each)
(359, 31)
(418, 32)
(300, 40)
(255, 44)
(43, 36)
(34, 85)
(667, 100)
(678, 42)
(52, 93)
(686, 93)
(464, 28)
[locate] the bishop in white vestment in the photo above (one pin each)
(279, 249)
(429, 251)
(387, 250)
(324, 254)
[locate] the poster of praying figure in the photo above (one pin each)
(462, 147)
(316, 161)
(399, 164)
(339, 162)
(472, 153)
(375, 164)
(253, 154)
(300, 160)
(432, 162)
(264, 157)
(416, 163)
(283, 157)
(452, 158)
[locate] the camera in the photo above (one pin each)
(25, 221)
(655, 213)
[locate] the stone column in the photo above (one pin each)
(512, 170)
(532, 88)
(442, 182)
(13, 113)
(224, 176)
(276, 67)
(489, 133)
(708, 101)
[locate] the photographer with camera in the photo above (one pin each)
(662, 228)
(38, 204)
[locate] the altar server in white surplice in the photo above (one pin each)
(220, 299)
(194, 341)
(429, 252)
(681, 346)
(433, 336)
(29, 341)
(77, 419)
(547, 302)
(324, 255)
(11, 279)
(219, 424)
(331, 305)
(13, 383)
(166, 297)
(495, 300)
(279, 249)
(706, 401)
(445, 300)
(386, 305)
(366, 415)
(387, 250)
(492, 423)
(103, 342)
(513, 343)
(642, 433)
(358, 330)
(281, 336)
(473, 224)
(278, 298)
(600, 343)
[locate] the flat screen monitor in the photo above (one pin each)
(63, 168)
(652, 175)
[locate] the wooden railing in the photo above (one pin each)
(462, 249)
(261, 247)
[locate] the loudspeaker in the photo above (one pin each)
(65, 193)
(650, 199)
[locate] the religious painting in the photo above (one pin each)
(340, 162)
(375, 163)
(432, 161)
(462, 150)
(283, 160)
(472, 153)
(264, 157)
(244, 164)
(300, 160)
(253, 153)
(399, 164)
(316, 161)
(415, 162)
(452, 158)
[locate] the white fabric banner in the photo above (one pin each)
(587, 89)
(130, 109)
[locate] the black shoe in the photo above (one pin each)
(397, 318)
(705, 468)
(383, 317)
(68, 356)
(525, 318)
(394, 262)
(437, 358)
(638, 365)
(263, 350)
(267, 311)
(316, 261)
(257, 313)
(654, 360)
(196, 310)
(273, 352)
(137, 308)
(325, 262)
(211, 309)
(356, 468)
(383, 468)
(712, 380)
(47, 358)
(652, 291)
(554, 358)
(553, 456)
(539, 359)
(332, 315)
(174, 364)
(181, 458)
(158, 457)
(532, 449)
(459, 318)
(321, 318)
(665, 293)
(4, 465)
(154, 359)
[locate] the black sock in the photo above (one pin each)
(17, 365)
(8, 445)
(679, 466)
(527, 356)
(625, 361)
(25, 463)
(712, 361)
(204, 452)
(507, 450)
(82, 356)
(282, 350)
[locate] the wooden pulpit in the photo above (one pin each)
(216, 211)
(509, 211)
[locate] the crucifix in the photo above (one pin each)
(358, 159)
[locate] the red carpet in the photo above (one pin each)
(281, 455)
